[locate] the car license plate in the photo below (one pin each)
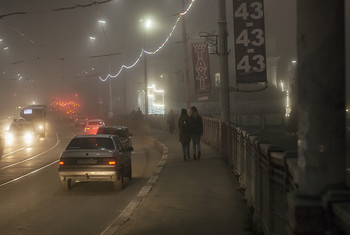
(87, 161)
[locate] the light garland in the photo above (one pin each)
(150, 52)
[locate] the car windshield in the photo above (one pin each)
(95, 123)
(19, 127)
(120, 133)
(91, 143)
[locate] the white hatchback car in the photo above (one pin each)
(92, 126)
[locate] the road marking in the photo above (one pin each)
(35, 156)
(30, 173)
(37, 170)
(20, 149)
(133, 204)
(164, 156)
(144, 191)
(153, 179)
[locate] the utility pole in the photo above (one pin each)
(186, 76)
(110, 113)
(224, 82)
(145, 71)
(223, 59)
(125, 109)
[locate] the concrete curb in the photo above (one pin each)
(134, 203)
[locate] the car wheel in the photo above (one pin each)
(119, 182)
(66, 184)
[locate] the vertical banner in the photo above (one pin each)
(249, 35)
(200, 55)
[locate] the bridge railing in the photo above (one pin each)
(265, 171)
(262, 172)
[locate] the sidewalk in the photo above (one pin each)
(193, 197)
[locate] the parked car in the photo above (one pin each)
(92, 126)
(80, 121)
(95, 158)
(121, 131)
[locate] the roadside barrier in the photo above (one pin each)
(266, 173)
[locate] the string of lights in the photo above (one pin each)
(150, 52)
(95, 3)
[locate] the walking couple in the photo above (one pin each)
(190, 127)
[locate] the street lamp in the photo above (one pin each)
(147, 24)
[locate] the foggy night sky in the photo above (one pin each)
(54, 54)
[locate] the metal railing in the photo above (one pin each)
(262, 172)
(265, 171)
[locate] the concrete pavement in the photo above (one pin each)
(193, 197)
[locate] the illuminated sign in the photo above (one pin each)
(200, 55)
(28, 111)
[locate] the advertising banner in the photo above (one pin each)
(200, 55)
(249, 36)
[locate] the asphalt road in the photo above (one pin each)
(32, 202)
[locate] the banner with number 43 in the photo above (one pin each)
(249, 36)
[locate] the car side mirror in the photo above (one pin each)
(129, 149)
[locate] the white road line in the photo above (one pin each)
(35, 156)
(133, 204)
(30, 173)
(20, 149)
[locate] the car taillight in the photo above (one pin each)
(61, 163)
(111, 163)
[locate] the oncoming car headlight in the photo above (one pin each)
(28, 138)
(9, 138)
(40, 127)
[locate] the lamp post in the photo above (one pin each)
(146, 25)
(146, 79)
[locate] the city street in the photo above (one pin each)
(32, 202)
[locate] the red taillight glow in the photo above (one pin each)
(111, 163)
(61, 163)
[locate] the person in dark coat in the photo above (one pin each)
(197, 132)
(138, 114)
(171, 121)
(185, 134)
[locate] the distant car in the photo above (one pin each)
(121, 131)
(95, 158)
(92, 126)
(21, 131)
(80, 121)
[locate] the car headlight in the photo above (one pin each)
(28, 138)
(40, 127)
(9, 138)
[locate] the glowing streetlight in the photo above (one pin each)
(102, 21)
(147, 24)
(294, 61)
(92, 38)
